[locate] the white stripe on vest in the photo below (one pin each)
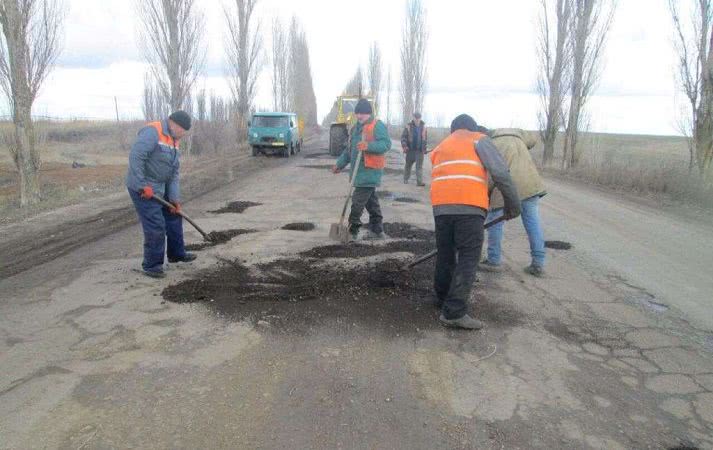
(459, 177)
(458, 161)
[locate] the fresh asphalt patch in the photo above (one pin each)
(235, 207)
(217, 238)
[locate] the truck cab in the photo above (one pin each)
(275, 133)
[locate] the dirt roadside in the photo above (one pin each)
(55, 233)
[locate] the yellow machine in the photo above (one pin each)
(339, 130)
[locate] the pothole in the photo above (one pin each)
(217, 238)
(302, 293)
(324, 155)
(401, 230)
(558, 245)
(235, 207)
(299, 226)
(406, 200)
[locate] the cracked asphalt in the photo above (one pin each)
(611, 349)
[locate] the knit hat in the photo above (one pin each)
(417, 115)
(363, 107)
(464, 122)
(182, 119)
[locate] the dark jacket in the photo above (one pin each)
(151, 163)
(407, 138)
(381, 144)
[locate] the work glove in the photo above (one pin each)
(176, 208)
(146, 192)
(363, 146)
(336, 169)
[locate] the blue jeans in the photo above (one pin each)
(531, 220)
(159, 226)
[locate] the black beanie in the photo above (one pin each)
(363, 107)
(464, 122)
(182, 119)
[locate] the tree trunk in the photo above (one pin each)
(27, 159)
(26, 156)
(704, 122)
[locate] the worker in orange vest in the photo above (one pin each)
(461, 165)
(371, 137)
(153, 171)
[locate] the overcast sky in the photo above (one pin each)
(481, 59)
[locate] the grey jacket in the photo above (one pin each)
(499, 174)
(151, 163)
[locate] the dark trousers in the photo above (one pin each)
(159, 226)
(459, 240)
(365, 197)
(414, 157)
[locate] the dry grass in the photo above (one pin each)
(651, 166)
(102, 147)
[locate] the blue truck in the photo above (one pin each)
(275, 133)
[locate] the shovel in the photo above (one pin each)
(206, 236)
(340, 231)
(428, 256)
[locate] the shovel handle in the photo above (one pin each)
(430, 255)
(182, 214)
(351, 188)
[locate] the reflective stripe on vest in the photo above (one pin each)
(458, 176)
(371, 160)
(164, 140)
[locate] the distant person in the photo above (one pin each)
(154, 171)
(371, 137)
(413, 142)
(462, 164)
(514, 145)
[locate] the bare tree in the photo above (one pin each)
(244, 52)
(694, 47)
(388, 98)
(375, 73)
(413, 58)
(201, 105)
(280, 69)
(31, 35)
(592, 22)
(555, 58)
(172, 41)
(303, 100)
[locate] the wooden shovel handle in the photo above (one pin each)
(182, 214)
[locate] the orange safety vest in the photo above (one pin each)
(458, 177)
(163, 139)
(371, 160)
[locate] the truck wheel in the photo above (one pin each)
(255, 151)
(292, 150)
(286, 152)
(337, 140)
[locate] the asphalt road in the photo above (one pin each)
(600, 353)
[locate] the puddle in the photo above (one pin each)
(647, 300)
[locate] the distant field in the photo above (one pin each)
(101, 148)
(652, 166)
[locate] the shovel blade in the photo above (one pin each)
(339, 233)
